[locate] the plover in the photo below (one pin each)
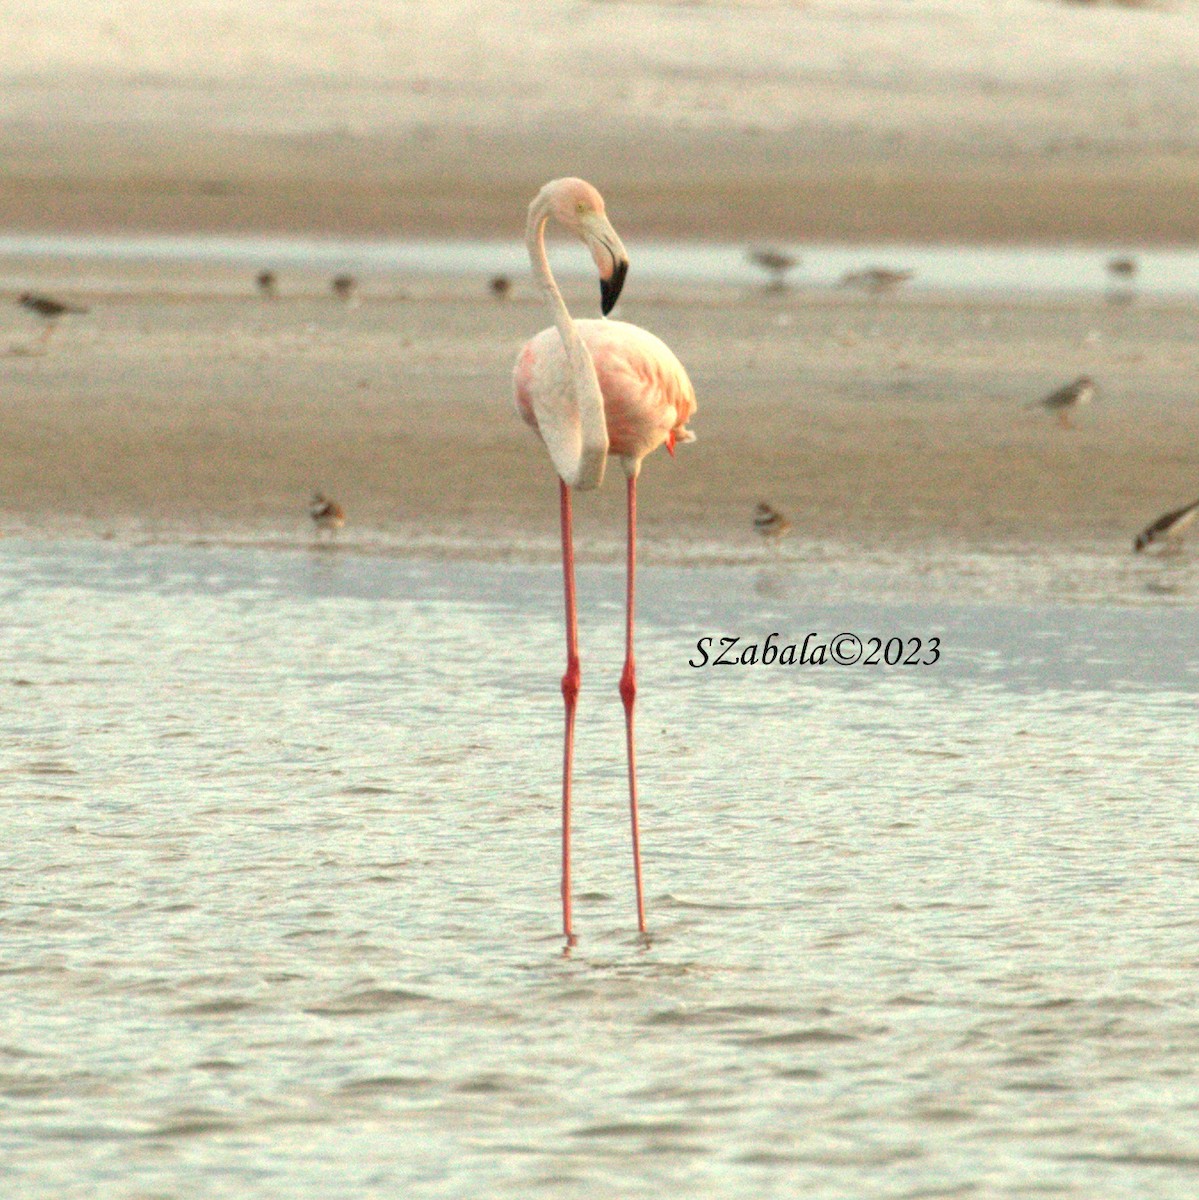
(1168, 528)
(776, 263)
(267, 284)
(1066, 399)
(876, 280)
(46, 307)
(1123, 271)
(327, 515)
(49, 310)
(769, 522)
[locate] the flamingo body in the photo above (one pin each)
(647, 396)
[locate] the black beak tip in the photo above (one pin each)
(610, 288)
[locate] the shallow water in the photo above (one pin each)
(1019, 270)
(279, 900)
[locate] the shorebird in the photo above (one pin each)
(875, 280)
(500, 286)
(769, 522)
(1123, 271)
(776, 264)
(327, 515)
(1168, 528)
(345, 287)
(267, 284)
(1066, 399)
(593, 388)
(49, 310)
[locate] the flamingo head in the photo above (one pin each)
(577, 206)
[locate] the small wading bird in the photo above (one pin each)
(769, 522)
(267, 284)
(345, 287)
(776, 264)
(49, 310)
(591, 388)
(1123, 271)
(327, 515)
(500, 286)
(1066, 399)
(1167, 529)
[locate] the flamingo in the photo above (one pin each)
(591, 388)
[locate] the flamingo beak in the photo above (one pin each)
(670, 439)
(610, 287)
(610, 259)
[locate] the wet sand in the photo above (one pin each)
(890, 423)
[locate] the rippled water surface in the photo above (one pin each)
(278, 893)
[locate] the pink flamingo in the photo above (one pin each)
(593, 388)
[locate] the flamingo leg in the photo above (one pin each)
(570, 694)
(628, 694)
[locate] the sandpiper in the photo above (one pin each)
(327, 515)
(46, 307)
(776, 263)
(1066, 399)
(1123, 271)
(769, 522)
(1168, 528)
(49, 310)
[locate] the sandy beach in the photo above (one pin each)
(169, 412)
(872, 423)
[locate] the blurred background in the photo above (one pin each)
(830, 119)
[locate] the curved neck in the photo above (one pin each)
(586, 468)
(539, 215)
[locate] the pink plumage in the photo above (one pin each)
(647, 395)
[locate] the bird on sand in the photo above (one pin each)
(769, 522)
(1168, 529)
(776, 263)
(327, 515)
(49, 309)
(1068, 398)
(1122, 271)
(345, 287)
(267, 284)
(46, 307)
(594, 388)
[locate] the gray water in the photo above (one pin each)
(278, 889)
(1048, 269)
